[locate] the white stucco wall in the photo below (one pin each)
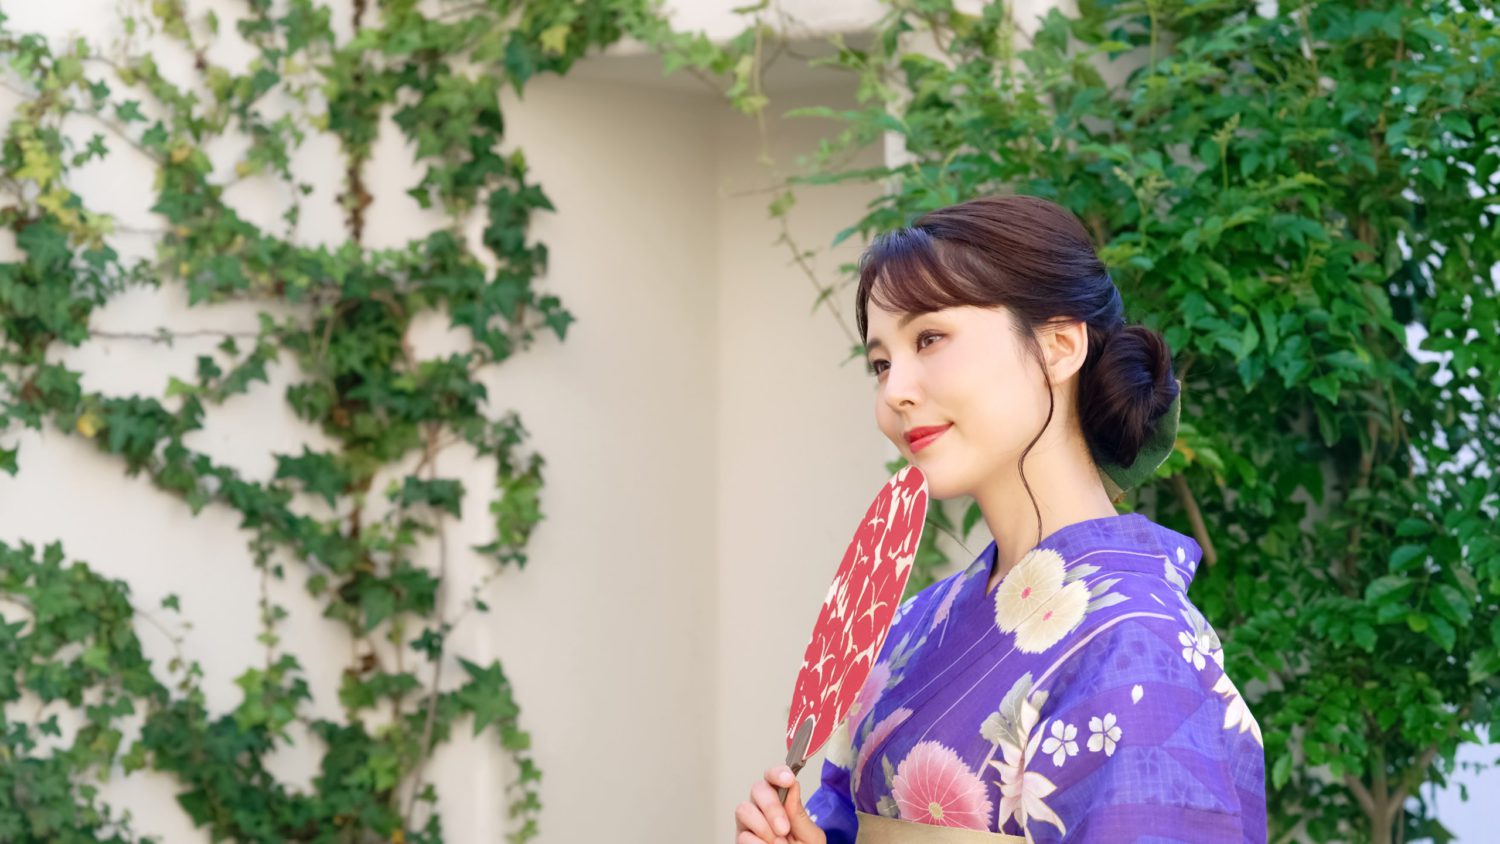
(606, 634)
(693, 368)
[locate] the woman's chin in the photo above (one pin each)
(940, 487)
(939, 495)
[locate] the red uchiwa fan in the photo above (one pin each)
(856, 614)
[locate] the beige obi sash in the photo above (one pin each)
(874, 829)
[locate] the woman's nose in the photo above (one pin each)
(901, 386)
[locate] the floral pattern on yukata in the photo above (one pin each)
(1083, 699)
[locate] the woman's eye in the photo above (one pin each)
(875, 367)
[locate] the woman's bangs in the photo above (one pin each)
(902, 273)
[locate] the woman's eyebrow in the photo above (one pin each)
(877, 343)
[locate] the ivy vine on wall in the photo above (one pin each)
(341, 316)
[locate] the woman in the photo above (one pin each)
(1063, 687)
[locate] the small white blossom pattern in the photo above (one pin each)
(1195, 648)
(1106, 732)
(1061, 743)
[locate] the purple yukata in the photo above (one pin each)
(1084, 699)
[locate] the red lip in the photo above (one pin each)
(920, 438)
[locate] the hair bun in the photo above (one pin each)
(1124, 393)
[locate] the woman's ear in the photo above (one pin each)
(1065, 345)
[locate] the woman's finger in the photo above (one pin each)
(803, 828)
(750, 819)
(764, 796)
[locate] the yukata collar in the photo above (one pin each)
(1143, 546)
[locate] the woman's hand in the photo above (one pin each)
(762, 820)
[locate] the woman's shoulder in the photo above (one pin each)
(1154, 642)
(1140, 592)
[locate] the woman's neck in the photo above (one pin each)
(1067, 489)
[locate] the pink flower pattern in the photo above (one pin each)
(934, 786)
(869, 693)
(955, 732)
(876, 738)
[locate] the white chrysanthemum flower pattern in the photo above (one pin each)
(1052, 622)
(1027, 587)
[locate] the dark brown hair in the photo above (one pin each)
(1034, 258)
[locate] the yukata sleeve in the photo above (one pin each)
(831, 806)
(1144, 737)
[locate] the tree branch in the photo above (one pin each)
(1361, 794)
(1195, 518)
(1414, 776)
(164, 335)
(429, 718)
(1366, 469)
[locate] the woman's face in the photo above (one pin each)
(962, 367)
